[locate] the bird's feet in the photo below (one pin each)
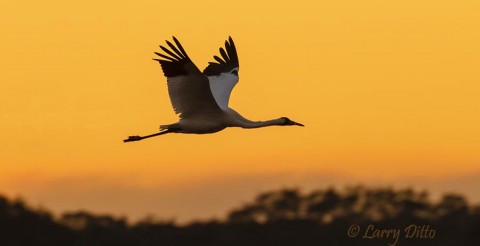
(132, 138)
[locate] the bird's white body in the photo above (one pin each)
(201, 98)
(200, 124)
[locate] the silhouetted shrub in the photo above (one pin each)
(282, 217)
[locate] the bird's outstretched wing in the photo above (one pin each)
(223, 74)
(188, 88)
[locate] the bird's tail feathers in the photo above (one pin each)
(171, 127)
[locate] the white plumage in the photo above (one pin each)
(201, 98)
(222, 86)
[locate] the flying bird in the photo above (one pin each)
(201, 98)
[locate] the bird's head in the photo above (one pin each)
(287, 122)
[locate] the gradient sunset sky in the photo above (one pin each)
(389, 92)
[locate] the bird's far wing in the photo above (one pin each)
(223, 74)
(188, 88)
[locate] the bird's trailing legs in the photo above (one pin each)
(138, 138)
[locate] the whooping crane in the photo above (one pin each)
(201, 99)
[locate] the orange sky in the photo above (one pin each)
(387, 90)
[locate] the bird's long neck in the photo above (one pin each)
(257, 124)
(237, 120)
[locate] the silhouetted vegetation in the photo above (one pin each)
(282, 217)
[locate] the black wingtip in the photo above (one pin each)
(175, 40)
(180, 47)
(227, 61)
(173, 58)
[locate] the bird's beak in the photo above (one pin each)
(296, 123)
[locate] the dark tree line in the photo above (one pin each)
(282, 217)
